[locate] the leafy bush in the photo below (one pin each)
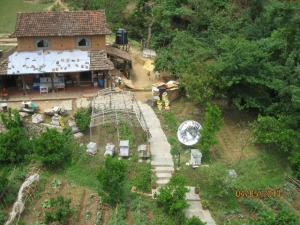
(172, 197)
(3, 180)
(83, 118)
(12, 192)
(111, 178)
(2, 216)
(61, 212)
(52, 148)
(11, 119)
(276, 133)
(212, 124)
(193, 221)
(284, 217)
(10, 184)
(14, 145)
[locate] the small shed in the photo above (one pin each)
(92, 148)
(144, 151)
(124, 148)
(110, 149)
(196, 157)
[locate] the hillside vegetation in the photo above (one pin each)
(242, 55)
(247, 51)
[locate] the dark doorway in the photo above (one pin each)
(9, 81)
(86, 76)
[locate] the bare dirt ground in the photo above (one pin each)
(85, 204)
(61, 4)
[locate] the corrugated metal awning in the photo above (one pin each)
(50, 61)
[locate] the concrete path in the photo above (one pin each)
(195, 208)
(161, 158)
(163, 166)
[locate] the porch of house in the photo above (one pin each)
(70, 92)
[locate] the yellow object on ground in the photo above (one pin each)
(61, 122)
(148, 65)
(159, 104)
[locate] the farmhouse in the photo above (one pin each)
(57, 49)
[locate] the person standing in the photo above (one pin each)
(156, 75)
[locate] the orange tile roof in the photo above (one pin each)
(75, 23)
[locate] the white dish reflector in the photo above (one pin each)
(188, 132)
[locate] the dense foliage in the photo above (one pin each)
(52, 148)
(212, 124)
(60, 210)
(111, 178)
(247, 51)
(14, 145)
(83, 118)
(11, 119)
(114, 10)
(193, 221)
(172, 197)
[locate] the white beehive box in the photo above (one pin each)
(37, 118)
(55, 120)
(144, 151)
(92, 148)
(110, 149)
(124, 148)
(196, 157)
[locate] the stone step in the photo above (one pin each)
(161, 175)
(163, 169)
(162, 182)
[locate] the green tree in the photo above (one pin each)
(114, 10)
(83, 118)
(14, 145)
(111, 178)
(281, 134)
(193, 221)
(52, 148)
(3, 180)
(277, 133)
(212, 124)
(172, 197)
(11, 119)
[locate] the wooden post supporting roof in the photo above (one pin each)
(52, 82)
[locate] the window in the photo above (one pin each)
(83, 42)
(42, 43)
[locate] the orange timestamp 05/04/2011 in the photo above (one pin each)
(267, 193)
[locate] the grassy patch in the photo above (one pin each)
(5, 48)
(83, 170)
(9, 10)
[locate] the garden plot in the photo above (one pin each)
(86, 205)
